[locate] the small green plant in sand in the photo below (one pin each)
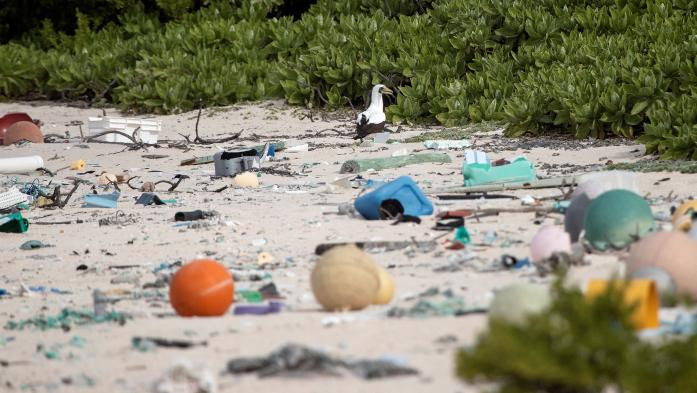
(656, 166)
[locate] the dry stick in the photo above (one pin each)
(128, 182)
(47, 136)
(172, 187)
(350, 103)
(56, 195)
(131, 138)
(56, 222)
(115, 184)
(201, 141)
(494, 187)
(532, 209)
(329, 129)
(319, 94)
(76, 184)
(103, 93)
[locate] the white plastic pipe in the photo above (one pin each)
(20, 165)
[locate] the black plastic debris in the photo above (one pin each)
(299, 360)
(269, 291)
(148, 198)
(406, 218)
(142, 342)
(193, 215)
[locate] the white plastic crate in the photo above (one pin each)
(11, 198)
(149, 129)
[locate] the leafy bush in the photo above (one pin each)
(590, 68)
(578, 346)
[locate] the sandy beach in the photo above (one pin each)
(287, 216)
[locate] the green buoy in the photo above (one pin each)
(617, 218)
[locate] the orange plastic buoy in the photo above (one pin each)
(201, 288)
(23, 130)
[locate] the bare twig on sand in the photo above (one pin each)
(172, 185)
(56, 198)
(201, 141)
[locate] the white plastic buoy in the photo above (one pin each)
(20, 165)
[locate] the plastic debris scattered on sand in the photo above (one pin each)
(301, 361)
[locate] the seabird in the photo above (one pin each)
(372, 120)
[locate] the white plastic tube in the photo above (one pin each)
(20, 165)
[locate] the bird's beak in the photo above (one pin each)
(387, 91)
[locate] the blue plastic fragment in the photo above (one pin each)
(403, 191)
(101, 200)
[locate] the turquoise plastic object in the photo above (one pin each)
(14, 223)
(518, 171)
(462, 236)
(402, 193)
(616, 219)
(101, 200)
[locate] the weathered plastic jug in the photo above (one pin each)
(518, 171)
(401, 195)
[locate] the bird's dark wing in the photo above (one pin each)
(363, 120)
(368, 128)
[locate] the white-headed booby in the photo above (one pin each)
(372, 120)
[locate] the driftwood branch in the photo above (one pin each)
(201, 141)
(56, 198)
(555, 182)
(172, 185)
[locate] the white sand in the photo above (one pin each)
(291, 218)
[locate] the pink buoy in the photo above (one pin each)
(548, 240)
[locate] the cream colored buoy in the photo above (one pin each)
(246, 180)
(345, 278)
(386, 291)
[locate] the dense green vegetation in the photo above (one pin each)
(579, 346)
(590, 68)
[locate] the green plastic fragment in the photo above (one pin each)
(518, 171)
(143, 345)
(616, 219)
(462, 235)
(250, 295)
(14, 223)
(66, 319)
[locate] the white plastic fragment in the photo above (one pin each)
(298, 148)
(476, 157)
(185, 378)
(442, 144)
(11, 198)
(382, 137)
(400, 153)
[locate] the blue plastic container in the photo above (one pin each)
(401, 192)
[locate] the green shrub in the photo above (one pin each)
(590, 68)
(578, 346)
